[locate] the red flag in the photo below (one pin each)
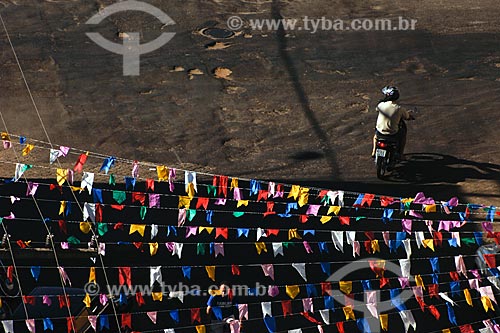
(345, 220)
(368, 246)
(434, 311)
(195, 315)
(69, 323)
(377, 268)
(54, 186)
(421, 302)
(80, 162)
(118, 225)
(221, 232)
(29, 300)
(202, 202)
(438, 238)
(287, 307)
(138, 246)
(270, 207)
(303, 218)
(124, 276)
(63, 301)
(235, 270)
(384, 282)
(311, 318)
(98, 212)
(322, 193)
(139, 299)
(370, 235)
(263, 194)
(340, 326)
(326, 288)
(150, 184)
(466, 329)
(274, 232)
(368, 198)
(386, 201)
(454, 276)
(21, 244)
(10, 273)
(62, 227)
(490, 260)
(223, 185)
(118, 207)
(139, 196)
(126, 320)
(433, 290)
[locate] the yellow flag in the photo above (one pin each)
(375, 246)
(345, 287)
(384, 321)
(184, 202)
(62, 208)
(292, 291)
(325, 219)
(446, 330)
(5, 136)
(293, 233)
(487, 303)
(234, 183)
(190, 190)
(242, 203)
(87, 301)
(428, 243)
(157, 296)
(349, 314)
(28, 149)
(137, 227)
(162, 172)
(153, 248)
(407, 200)
(468, 298)
(85, 227)
(92, 275)
(333, 209)
(260, 246)
(303, 196)
(419, 281)
(430, 208)
(211, 272)
(76, 188)
(208, 229)
(201, 329)
(294, 192)
(61, 176)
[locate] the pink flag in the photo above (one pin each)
(30, 323)
(152, 316)
(268, 270)
(243, 311)
(154, 200)
(313, 210)
(93, 322)
(46, 300)
(219, 249)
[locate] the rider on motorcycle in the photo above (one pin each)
(390, 121)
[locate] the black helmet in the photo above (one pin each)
(391, 93)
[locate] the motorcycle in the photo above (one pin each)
(387, 153)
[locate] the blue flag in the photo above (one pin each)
(47, 324)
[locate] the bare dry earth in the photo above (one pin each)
(298, 106)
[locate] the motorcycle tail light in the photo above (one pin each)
(381, 144)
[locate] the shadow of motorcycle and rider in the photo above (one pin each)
(422, 168)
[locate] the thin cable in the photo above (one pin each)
(48, 233)
(51, 145)
(15, 269)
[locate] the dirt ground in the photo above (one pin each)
(297, 106)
